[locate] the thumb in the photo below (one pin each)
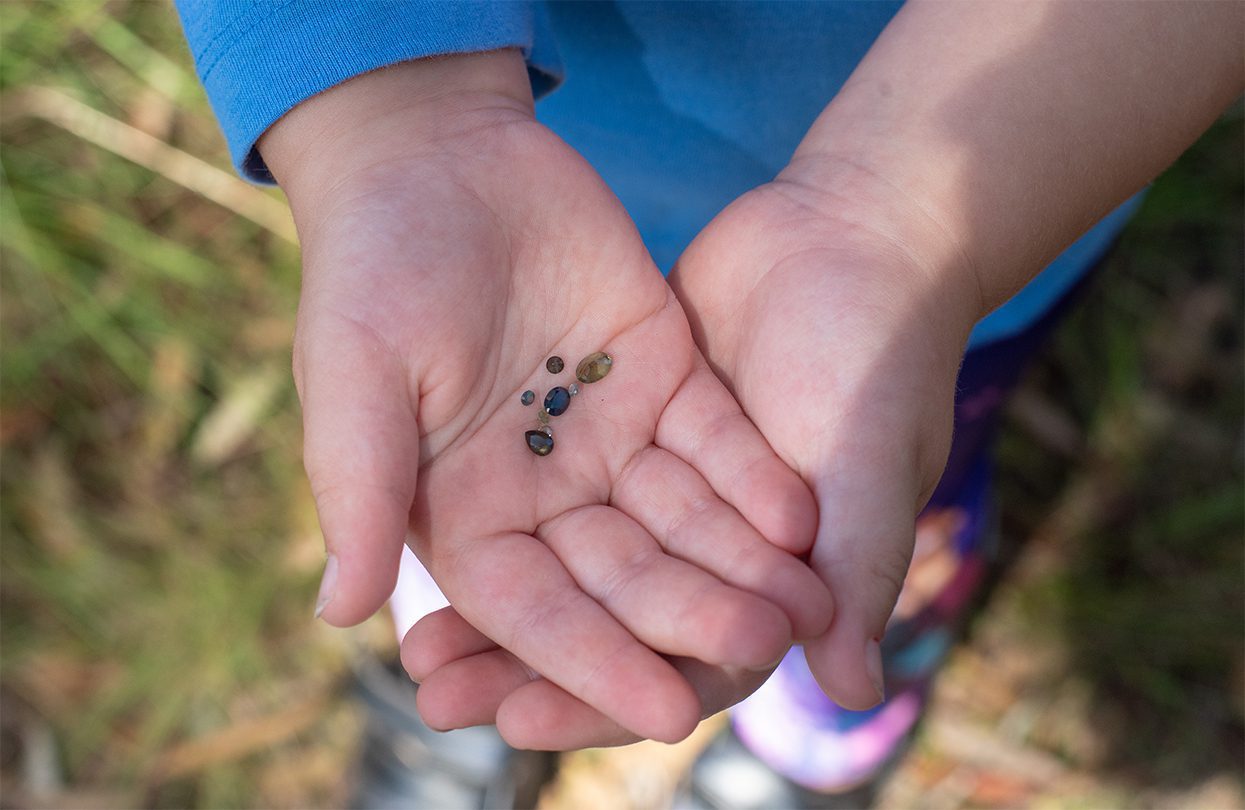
(868, 506)
(361, 452)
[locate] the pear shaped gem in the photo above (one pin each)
(539, 442)
(594, 367)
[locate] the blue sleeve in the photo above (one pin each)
(259, 58)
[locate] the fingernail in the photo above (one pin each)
(328, 585)
(873, 666)
(771, 665)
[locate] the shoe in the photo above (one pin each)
(728, 776)
(405, 765)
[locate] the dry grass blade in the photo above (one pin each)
(237, 741)
(237, 416)
(133, 144)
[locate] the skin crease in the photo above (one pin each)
(972, 144)
(450, 246)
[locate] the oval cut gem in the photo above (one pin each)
(528, 397)
(539, 442)
(557, 401)
(594, 367)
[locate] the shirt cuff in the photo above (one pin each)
(257, 60)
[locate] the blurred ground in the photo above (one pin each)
(160, 551)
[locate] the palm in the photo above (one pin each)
(435, 290)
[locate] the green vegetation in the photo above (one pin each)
(1150, 375)
(160, 551)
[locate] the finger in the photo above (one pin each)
(540, 716)
(673, 502)
(468, 692)
(862, 552)
(471, 691)
(361, 451)
(670, 605)
(534, 713)
(548, 622)
(466, 679)
(703, 425)
(437, 639)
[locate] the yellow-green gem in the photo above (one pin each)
(594, 367)
(539, 442)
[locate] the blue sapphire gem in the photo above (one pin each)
(557, 401)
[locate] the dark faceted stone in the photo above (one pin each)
(594, 367)
(539, 442)
(555, 365)
(557, 401)
(528, 397)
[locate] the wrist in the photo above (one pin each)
(414, 108)
(862, 212)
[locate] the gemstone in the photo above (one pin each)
(574, 389)
(555, 364)
(528, 397)
(594, 367)
(557, 401)
(539, 442)
(548, 431)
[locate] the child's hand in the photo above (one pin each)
(843, 349)
(842, 343)
(451, 245)
(842, 346)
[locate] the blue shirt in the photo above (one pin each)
(681, 107)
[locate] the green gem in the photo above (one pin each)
(594, 367)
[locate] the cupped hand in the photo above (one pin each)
(838, 313)
(450, 246)
(841, 340)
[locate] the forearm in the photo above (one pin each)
(993, 134)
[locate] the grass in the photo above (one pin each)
(160, 550)
(159, 546)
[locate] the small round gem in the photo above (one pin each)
(528, 397)
(542, 417)
(574, 389)
(594, 367)
(555, 365)
(539, 442)
(557, 401)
